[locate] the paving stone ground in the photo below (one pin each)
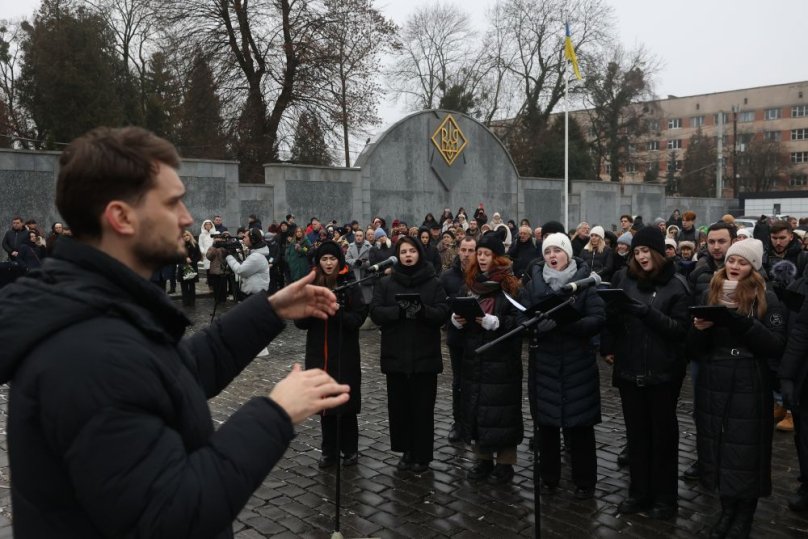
(297, 498)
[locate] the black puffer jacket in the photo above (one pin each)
(649, 350)
(523, 253)
(563, 379)
(734, 403)
(342, 333)
(701, 275)
(491, 382)
(410, 345)
(109, 431)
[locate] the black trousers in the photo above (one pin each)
(219, 284)
(456, 355)
(188, 289)
(411, 406)
(348, 434)
(653, 440)
(800, 414)
(581, 441)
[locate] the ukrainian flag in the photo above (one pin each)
(569, 53)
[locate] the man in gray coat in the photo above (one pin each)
(357, 260)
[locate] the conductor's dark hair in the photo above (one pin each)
(108, 164)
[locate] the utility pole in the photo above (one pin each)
(735, 189)
(719, 187)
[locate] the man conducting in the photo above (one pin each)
(109, 430)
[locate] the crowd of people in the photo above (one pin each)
(747, 360)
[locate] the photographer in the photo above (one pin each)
(218, 266)
(254, 270)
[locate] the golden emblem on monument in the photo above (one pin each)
(449, 139)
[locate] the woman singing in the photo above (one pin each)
(733, 389)
(491, 382)
(564, 385)
(644, 339)
(333, 346)
(410, 307)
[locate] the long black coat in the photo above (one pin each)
(601, 263)
(109, 430)
(649, 350)
(734, 403)
(564, 383)
(491, 382)
(410, 345)
(342, 361)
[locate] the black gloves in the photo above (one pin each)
(739, 322)
(548, 324)
(637, 307)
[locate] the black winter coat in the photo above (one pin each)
(452, 281)
(342, 362)
(522, 254)
(410, 345)
(491, 382)
(601, 263)
(563, 379)
(793, 366)
(649, 350)
(109, 431)
(701, 275)
(734, 403)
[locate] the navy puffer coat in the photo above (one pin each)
(563, 383)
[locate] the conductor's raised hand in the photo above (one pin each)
(304, 393)
(301, 299)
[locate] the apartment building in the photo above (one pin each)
(778, 112)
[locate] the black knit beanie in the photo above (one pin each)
(551, 227)
(491, 240)
(651, 237)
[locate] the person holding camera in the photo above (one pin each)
(253, 272)
(333, 346)
(410, 307)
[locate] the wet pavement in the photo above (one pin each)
(297, 498)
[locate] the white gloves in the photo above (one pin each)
(490, 322)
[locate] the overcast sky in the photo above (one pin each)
(704, 46)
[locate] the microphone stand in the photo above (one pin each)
(340, 292)
(534, 345)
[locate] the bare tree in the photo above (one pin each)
(436, 52)
(761, 164)
(17, 128)
(616, 114)
(354, 36)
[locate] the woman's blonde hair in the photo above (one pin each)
(750, 293)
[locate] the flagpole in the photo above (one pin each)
(566, 150)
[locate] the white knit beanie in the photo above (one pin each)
(557, 240)
(597, 231)
(670, 242)
(751, 250)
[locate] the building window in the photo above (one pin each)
(675, 123)
(608, 168)
(799, 157)
(696, 121)
(653, 166)
(631, 168)
(652, 145)
(748, 116)
(678, 165)
(653, 125)
(799, 111)
(799, 180)
(799, 134)
(772, 114)
(674, 144)
(772, 136)
(720, 116)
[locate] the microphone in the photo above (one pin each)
(384, 264)
(592, 280)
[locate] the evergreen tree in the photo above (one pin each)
(698, 167)
(548, 160)
(71, 80)
(162, 98)
(309, 147)
(201, 127)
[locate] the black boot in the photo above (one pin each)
(728, 508)
(742, 523)
(799, 501)
(622, 457)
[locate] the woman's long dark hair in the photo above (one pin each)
(636, 271)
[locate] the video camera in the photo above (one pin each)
(229, 244)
